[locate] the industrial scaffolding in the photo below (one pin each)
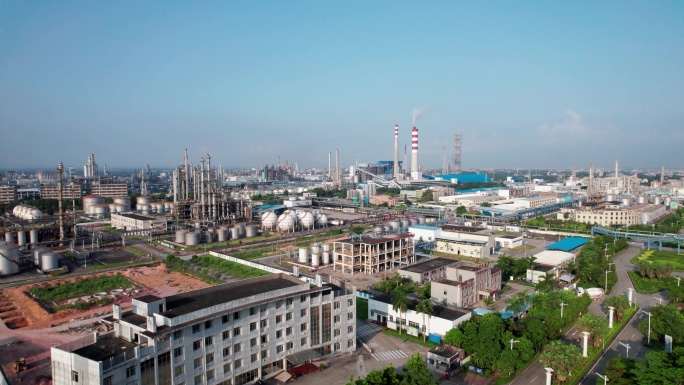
(371, 255)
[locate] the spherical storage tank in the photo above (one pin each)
(286, 222)
(192, 239)
(180, 236)
(48, 261)
(307, 220)
(268, 220)
(251, 231)
(321, 220)
(9, 262)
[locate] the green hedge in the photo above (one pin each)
(85, 286)
(232, 268)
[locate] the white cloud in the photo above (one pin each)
(571, 124)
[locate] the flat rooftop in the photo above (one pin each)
(448, 313)
(105, 348)
(369, 240)
(148, 298)
(137, 217)
(567, 244)
(189, 302)
(461, 240)
(429, 265)
(507, 236)
(462, 229)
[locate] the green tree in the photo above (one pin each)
(486, 204)
(620, 303)
(507, 266)
(535, 331)
(400, 304)
(386, 376)
(460, 210)
(357, 229)
(618, 371)
(488, 347)
(664, 320)
(425, 307)
(417, 372)
(426, 196)
(454, 337)
(519, 303)
(660, 367)
(562, 358)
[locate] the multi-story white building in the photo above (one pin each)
(8, 194)
(134, 222)
(231, 334)
(476, 242)
(373, 254)
(109, 190)
(465, 284)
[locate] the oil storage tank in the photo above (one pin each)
(192, 239)
(48, 261)
(251, 231)
(180, 236)
(9, 259)
(303, 255)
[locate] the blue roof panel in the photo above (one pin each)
(467, 178)
(567, 244)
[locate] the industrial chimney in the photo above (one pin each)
(415, 173)
(396, 151)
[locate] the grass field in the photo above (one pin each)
(664, 256)
(232, 268)
(361, 308)
(86, 286)
(522, 248)
(645, 285)
(133, 250)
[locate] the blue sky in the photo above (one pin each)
(528, 84)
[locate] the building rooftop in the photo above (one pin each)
(148, 298)
(449, 282)
(429, 265)
(543, 268)
(189, 302)
(462, 229)
(508, 236)
(567, 244)
(448, 313)
(460, 240)
(447, 351)
(553, 257)
(105, 348)
(369, 240)
(424, 227)
(137, 217)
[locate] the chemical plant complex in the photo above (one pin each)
(229, 276)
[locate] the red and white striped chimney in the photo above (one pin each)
(414, 150)
(396, 150)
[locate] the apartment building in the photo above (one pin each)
(231, 334)
(51, 191)
(466, 283)
(8, 194)
(109, 190)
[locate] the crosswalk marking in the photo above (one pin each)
(389, 355)
(365, 330)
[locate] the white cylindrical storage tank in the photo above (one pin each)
(316, 249)
(143, 200)
(168, 207)
(326, 247)
(325, 258)
(667, 201)
(322, 220)
(404, 222)
(413, 221)
(34, 236)
(235, 232)
(99, 209)
(626, 201)
(642, 200)
(657, 200)
(222, 234)
(378, 229)
(48, 261)
(9, 237)
(394, 224)
(35, 254)
(143, 208)
(21, 238)
(192, 239)
(122, 201)
(387, 228)
(9, 262)
(421, 220)
(209, 236)
(611, 198)
(315, 260)
(268, 220)
(303, 255)
(241, 227)
(180, 236)
(307, 220)
(251, 231)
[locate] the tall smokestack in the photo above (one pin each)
(337, 168)
(60, 174)
(662, 175)
(396, 151)
(414, 154)
(329, 168)
(617, 164)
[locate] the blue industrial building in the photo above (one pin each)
(465, 178)
(567, 244)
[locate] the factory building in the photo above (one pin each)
(232, 334)
(427, 271)
(465, 284)
(616, 214)
(108, 190)
(373, 254)
(51, 191)
(380, 199)
(8, 194)
(135, 222)
(476, 242)
(549, 261)
(464, 178)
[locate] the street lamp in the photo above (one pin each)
(562, 305)
(678, 279)
(607, 271)
(660, 300)
(604, 378)
(649, 325)
(513, 342)
(627, 346)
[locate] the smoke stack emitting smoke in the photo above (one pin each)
(414, 150)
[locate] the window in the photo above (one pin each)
(303, 341)
(288, 316)
(177, 352)
(253, 342)
(337, 346)
(210, 358)
(226, 351)
(280, 349)
(289, 301)
(236, 331)
(199, 379)
(391, 318)
(264, 323)
(350, 302)
(252, 326)
(196, 328)
(279, 319)
(264, 354)
(237, 347)
(226, 335)
(302, 298)
(177, 334)
(252, 310)
(289, 345)
(237, 363)
(198, 362)
(445, 292)
(303, 327)
(264, 339)
(226, 368)
(350, 329)
(350, 316)
(210, 375)
(350, 343)
(288, 331)
(225, 318)
(337, 332)
(279, 333)
(336, 319)
(208, 341)
(302, 313)
(236, 315)
(130, 372)
(336, 305)
(279, 304)
(208, 324)
(196, 345)
(262, 308)
(178, 370)
(74, 376)
(255, 357)
(107, 381)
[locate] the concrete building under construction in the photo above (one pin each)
(373, 254)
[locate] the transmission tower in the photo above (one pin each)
(457, 153)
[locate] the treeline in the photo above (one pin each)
(594, 259)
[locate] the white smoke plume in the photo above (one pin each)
(418, 113)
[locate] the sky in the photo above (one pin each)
(528, 84)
